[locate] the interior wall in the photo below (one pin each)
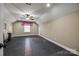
(1, 28)
(18, 29)
(64, 30)
(9, 27)
(1, 35)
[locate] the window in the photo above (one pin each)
(26, 28)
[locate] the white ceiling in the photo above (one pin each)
(13, 11)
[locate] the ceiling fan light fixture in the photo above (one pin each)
(27, 18)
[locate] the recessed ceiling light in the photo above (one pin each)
(48, 5)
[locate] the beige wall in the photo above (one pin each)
(18, 29)
(64, 30)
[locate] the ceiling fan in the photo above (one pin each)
(28, 4)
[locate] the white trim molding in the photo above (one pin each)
(63, 46)
(24, 35)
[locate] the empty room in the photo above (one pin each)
(39, 29)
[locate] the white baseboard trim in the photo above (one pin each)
(24, 35)
(65, 47)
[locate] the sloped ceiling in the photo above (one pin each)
(12, 11)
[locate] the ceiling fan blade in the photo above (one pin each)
(28, 4)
